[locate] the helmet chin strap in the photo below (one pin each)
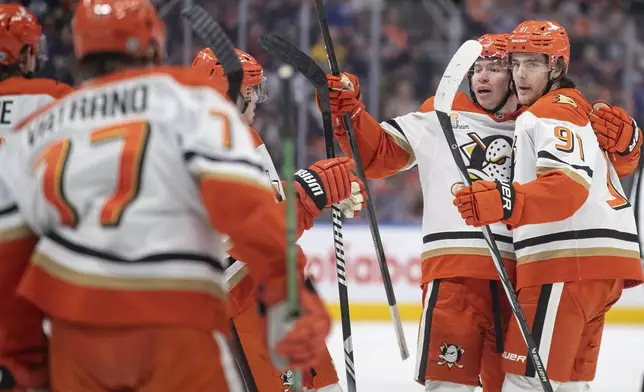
(501, 104)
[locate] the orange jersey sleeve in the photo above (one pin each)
(381, 153)
(23, 344)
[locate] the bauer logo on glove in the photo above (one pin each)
(329, 182)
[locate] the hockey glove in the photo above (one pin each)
(485, 202)
(344, 96)
(329, 182)
(294, 341)
(616, 131)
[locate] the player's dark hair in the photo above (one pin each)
(14, 70)
(566, 82)
(96, 65)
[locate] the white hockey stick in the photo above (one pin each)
(456, 71)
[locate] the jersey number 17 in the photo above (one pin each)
(134, 136)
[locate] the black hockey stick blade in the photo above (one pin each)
(456, 71)
(209, 31)
(307, 67)
(290, 54)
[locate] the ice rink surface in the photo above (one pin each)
(380, 369)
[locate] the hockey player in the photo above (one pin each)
(336, 178)
(22, 342)
(130, 182)
(464, 308)
(573, 230)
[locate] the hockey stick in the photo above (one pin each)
(302, 63)
(285, 73)
(371, 214)
(242, 361)
(216, 39)
(456, 71)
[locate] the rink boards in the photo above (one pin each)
(403, 248)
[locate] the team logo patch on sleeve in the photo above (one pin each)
(560, 98)
(450, 355)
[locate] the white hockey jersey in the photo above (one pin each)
(450, 247)
(111, 178)
(575, 222)
(20, 97)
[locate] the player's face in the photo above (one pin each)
(530, 73)
(490, 82)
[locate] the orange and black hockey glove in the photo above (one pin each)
(616, 131)
(328, 182)
(344, 97)
(485, 202)
(294, 341)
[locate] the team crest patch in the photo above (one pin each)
(565, 100)
(287, 380)
(488, 158)
(450, 355)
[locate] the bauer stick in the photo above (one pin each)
(216, 39)
(302, 63)
(371, 214)
(456, 71)
(209, 31)
(285, 73)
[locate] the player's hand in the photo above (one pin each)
(294, 341)
(485, 202)
(328, 182)
(616, 131)
(344, 96)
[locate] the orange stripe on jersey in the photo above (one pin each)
(566, 104)
(75, 302)
(135, 138)
(256, 138)
(24, 86)
(23, 345)
(567, 268)
(381, 153)
(532, 196)
(476, 264)
(54, 158)
(253, 221)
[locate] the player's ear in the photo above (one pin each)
(559, 69)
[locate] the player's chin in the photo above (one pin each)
(489, 103)
(527, 96)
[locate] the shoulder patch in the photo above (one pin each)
(563, 99)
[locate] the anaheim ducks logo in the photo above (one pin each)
(490, 158)
(565, 100)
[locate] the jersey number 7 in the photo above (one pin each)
(134, 136)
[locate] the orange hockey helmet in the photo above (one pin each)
(18, 28)
(205, 63)
(494, 45)
(120, 26)
(254, 83)
(545, 37)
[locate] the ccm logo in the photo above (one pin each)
(506, 195)
(313, 184)
(513, 357)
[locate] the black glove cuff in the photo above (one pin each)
(634, 140)
(506, 190)
(312, 184)
(6, 379)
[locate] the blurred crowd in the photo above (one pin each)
(607, 40)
